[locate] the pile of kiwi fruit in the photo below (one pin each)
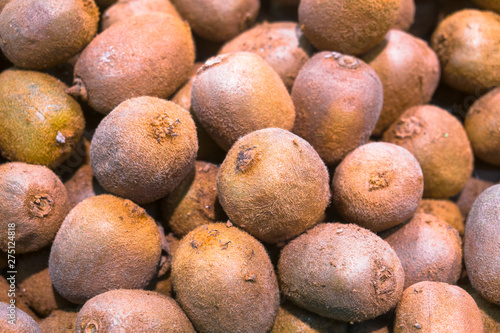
(253, 166)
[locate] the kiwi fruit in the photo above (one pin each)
(218, 21)
(378, 186)
(143, 149)
(489, 312)
(437, 307)
(409, 71)
(138, 311)
(6, 288)
(87, 256)
(346, 26)
(40, 124)
(273, 185)
(146, 55)
(33, 205)
(254, 98)
(439, 142)
(472, 189)
(469, 65)
(482, 124)
(14, 320)
(82, 185)
(39, 34)
(281, 44)
(59, 321)
(482, 236)
(3, 3)
(445, 210)
(406, 15)
(338, 99)
(163, 282)
(493, 5)
(224, 280)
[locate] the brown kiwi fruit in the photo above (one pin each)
(488, 4)
(3, 3)
(406, 15)
(224, 280)
(472, 189)
(281, 44)
(33, 205)
(273, 185)
(440, 144)
(120, 63)
(14, 320)
(338, 99)
(40, 124)
(59, 321)
(39, 34)
(378, 186)
(163, 282)
(87, 256)
(469, 65)
(429, 249)
(237, 93)
(341, 271)
(143, 149)
(445, 210)
(428, 307)
(218, 21)
(350, 27)
(482, 124)
(7, 288)
(409, 71)
(138, 311)
(82, 185)
(489, 312)
(482, 236)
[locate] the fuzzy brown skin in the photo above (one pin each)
(482, 124)
(88, 258)
(445, 210)
(347, 26)
(406, 15)
(468, 49)
(163, 282)
(146, 55)
(59, 321)
(473, 188)
(6, 289)
(138, 311)
(409, 71)
(225, 281)
(3, 3)
(82, 185)
(489, 312)
(35, 200)
(194, 202)
(143, 149)
(39, 34)
(337, 99)
(40, 124)
(429, 249)
(435, 138)
(218, 21)
(281, 44)
(23, 322)
(238, 93)
(489, 4)
(482, 236)
(378, 186)
(341, 271)
(428, 307)
(273, 184)
(125, 9)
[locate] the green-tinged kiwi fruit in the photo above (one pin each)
(440, 144)
(82, 185)
(482, 237)
(104, 243)
(341, 271)
(39, 34)
(406, 15)
(472, 189)
(14, 320)
(281, 44)
(489, 312)
(378, 186)
(468, 49)
(59, 321)
(338, 99)
(41, 124)
(347, 26)
(445, 210)
(488, 4)
(125, 9)
(218, 21)
(292, 319)
(145, 55)
(143, 149)
(428, 307)
(273, 185)
(482, 124)
(138, 311)
(238, 93)
(194, 202)
(8, 291)
(429, 249)
(409, 71)
(33, 205)
(224, 280)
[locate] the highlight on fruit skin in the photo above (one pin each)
(23, 322)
